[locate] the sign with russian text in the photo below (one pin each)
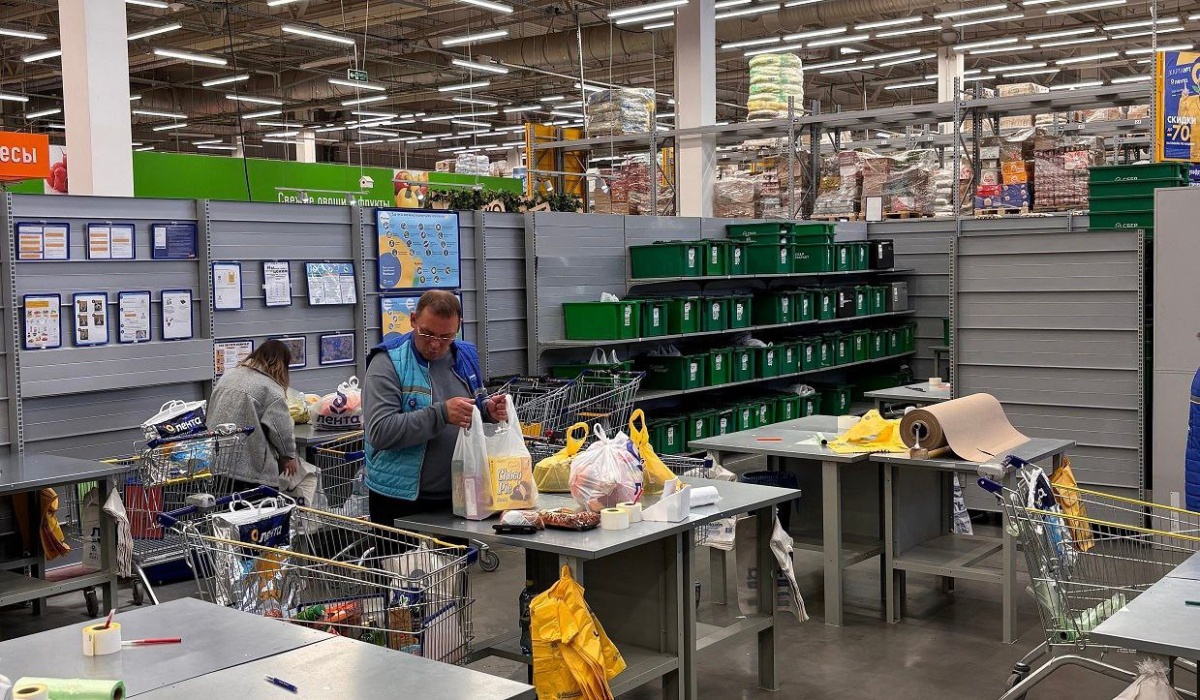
(1177, 106)
(24, 156)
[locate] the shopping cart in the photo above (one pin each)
(343, 575)
(75, 515)
(340, 461)
(547, 407)
(1089, 553)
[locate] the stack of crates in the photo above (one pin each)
(780, 248)
(668, 435)
(675, 372)
(1121, 197)
(667, 259)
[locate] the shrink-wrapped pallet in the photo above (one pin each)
(1060, 171)
(734, 198)
(774, 78)
(620, 111)
(839, 189)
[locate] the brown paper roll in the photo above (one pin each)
(974, 427)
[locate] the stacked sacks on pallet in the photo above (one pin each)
(840, 186)
(620, 111)
(774, 77)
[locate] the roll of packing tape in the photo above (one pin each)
(77, 688)
(704, 496)
(31, 691)
(614, 519)
(99, 640)
(635, 511)
(935, 381)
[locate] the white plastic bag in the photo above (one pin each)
(606, 473)
(510, 465)
(339, 410)
(175, 419)
(469, 474)
(1152, 683)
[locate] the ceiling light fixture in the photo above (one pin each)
(152, 113)
(9, 97)
(479, 84)
(1140, 23)
(1019, 66)
(798, 3)
(134, 98)
(323, 36)
(327, 129)
(168, 127)
(487, 67)
(907, 32)
(833, 41)
(369, 132)
(643, 9)
(473, 101)
(209, 142)
(263, 114)
(364, 100)
(892, 54)
(1152, 32)
(1132, 79)
(984, 44)
(747, 11)
(255, 100)
(1085, 59)
(814, 33)
(472, 39)
(226, 80)
(380, 115)
(1001, 49)
(156, 4)
(1099, 4)
(468, 122)
(906, 86)
(830, 64)
(750, 42)
(1072, 42)
(971, 11)
(192, 57)
(368, 142)
(644, 18)
(1060, 34)
(658, 25)
(41, 55)
(888, 23)
(1076, 86)
(281, 135)
(439, 118)
(726, 4)
(552, 98)
(911, 59)
(1160, 49)
(1011, 17)
(277, 3)
(864, 66)
(154, 32)
(357, 84)
(774, 49)
(488, 5)
(1036, 71)
(22, 34)
(974, 78)
(43, 113)
(216, 148)
(143, 149)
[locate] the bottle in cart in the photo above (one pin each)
(523, 602)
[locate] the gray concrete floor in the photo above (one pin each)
(947, 647)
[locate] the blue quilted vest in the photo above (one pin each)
(397, 473)
(1192, 453)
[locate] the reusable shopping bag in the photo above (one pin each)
(1152, 683)
(606, 473)
(873, 433)
(655, 474)
(573, 659)
(470, 479)
(510, 466)
(1068, 500)
(340, 410)
(553, 474)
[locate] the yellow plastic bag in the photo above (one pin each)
(573, 659)
(1070, 503)
(553, 474)
(655, 474)
(873, 433)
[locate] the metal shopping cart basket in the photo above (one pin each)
(1089, 553)
(547, 407)
(80, 534)
(340, 462)
(344, 575)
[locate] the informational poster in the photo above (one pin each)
(1177, 106)
(133, 317)
(89, 310)
(228, 353)
(298, 347)
(418, 250)
(109, 241)
(331, 283)
(277, 284)
(336, 349)
(43, 321)
(43, 241)
(173, 241)
(395, 315)
(227, 286)
(177, 314)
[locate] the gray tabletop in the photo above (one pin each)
(818, 423)
(1189, 569)
(777, 441)
(920, 393)
(1033, 450)
(308, 436)
(214, 638)
(344, 668)
(1158, 621)
(28, 472)
(595, 544)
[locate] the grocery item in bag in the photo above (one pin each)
(510, 466)
(340, 410)
(655, 473)
(470, 476)
(606, 473)
(553, 474)
(298, 404)
(175, 419)
(253, 579)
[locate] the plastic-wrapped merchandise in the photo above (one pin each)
(471, 164)
(876, 170)
(910, 186)
(734, 198)
(1060, 171)
(620, 111)
(774, 78)
(840, 186)
(606, 473)
(635, 178)
(1138, 112)
(945, 192)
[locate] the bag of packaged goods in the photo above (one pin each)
(553, 474)
(510, 465)
(340, 410)
(175, 419)
(605, 474)
(470, 477)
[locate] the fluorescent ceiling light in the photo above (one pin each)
(1085, 59)
(134, 98)
(154, 32)
(156, 4)
(975, 78)
(845, 50)
(414, 141)
(570, 115)
(888, 23)
(1036, 71)
(911, 59)
(1098, 4)
(971, 11)
(644, 18)
(513, 144)
(488, 67)
(907, 32)
(164, 115)
(972, 71)
(863, 66)
(552, 98)
(588, 88)
(984, 44)
(726, 4)
(255, 100)
(281, 125)
(216, 148)
(1072, 42)
(750, 42)
(357, 85)
(468, 122)
(830, 64)
(798, 3)
(327, 129)
(144, 149)
(1019, 66)
(476, 132)
(1060, 34)
(774, 49)
(892, 54)
(473, 101)
(1152, 32)
(474, 38)
(369, 132)
(323, 36)
(226, 80)
(1140, 23)
(463, 86)
(168, 127)
(281, 135)
(209, 142)
(643, 9)
(260, 115)
(368, 142)
(22, 34)
(1075, 86)
(812, 34)
(906, 86)
(192, 57)
(1193, 18)
(9, 97)
(1011, 17)
(41, 55)
(439, 118)
(1132, 79)
(747, 11)
(43, 113)
(1160, 49)
(277, 3)
(833, 41)
(1001, 49)
(659, 25)
(381, 115)
(488, 5)
(364, 100)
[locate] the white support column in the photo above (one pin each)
(95, 65)
(306, 146)
(695, 105)
(950, 66)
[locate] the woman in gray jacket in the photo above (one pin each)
(254, 394)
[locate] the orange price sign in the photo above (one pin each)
(24, 156)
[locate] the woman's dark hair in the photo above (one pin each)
(272, 359)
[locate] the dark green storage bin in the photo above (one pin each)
(668, 259)
(699, 425)
(1135, 188)
(735, 260)
(862, 300)
(843, 349)
(714, 313)
(667, 436)
(683, 315)
(814, 229)
(825, 304)
(771, 309)
(1120, 205)
(720, 366)
(766, 412)
(803, 308)
(837, 400)
(810, 353)
(1137, 173)
(716, 258)
(571, 370)
(724, 422)
(825, 353)
(862, 345)
(895, 341)
(686, 372)
(879, 344)
(766, 362)
(843, 257)
(768, 259)
(743, 364)
(878, 300)
(1122, 221)
(763, 228)
(745, 416)
(602, 320)
(946, 332)
(862, 254)
(810, 405)
(910, 337)
(789, 357)
(787, 407)
(812, 258)
(654, 317)
(741, 310)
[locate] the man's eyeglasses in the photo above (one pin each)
(435, 338)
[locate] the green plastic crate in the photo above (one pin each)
(1120, 205)
(879, 345)
(1137, 173)
(773, 308)
(766, 361)
(1136, 188)
(825, 304)
(667, 436)
(743, 364)
(1122, 221)
(669, 259)
(716, 259)
(787, 407)
(719, 369)
(683, 315)
(946, 331)
(910, 337)
(878, 300)
(843, 259)
(810, 405)
(814, 229)
(825, 353)
(862, 345)
(802, 305)
(699, 425)
(895, 341)
(741, 311)
(570, 370)
(789, 357)
(602, 320)
(654, 317)
(766, 412)
(837, 400)
(714, 313)
(810, 353)
(745, 416)
(862, 300)
(686, 372)
(862, 254)
(812, 258)
(735, 252)
(768, 259)
(724, 422)
(843, 349)
(762, 228)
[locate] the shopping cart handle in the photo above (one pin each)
(171, 518)
(988, 485)
(219, 432)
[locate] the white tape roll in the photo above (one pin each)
(635, 511)
(704, 496)
(614, 519)
(31, 691)
(98, 641)
(935, 381)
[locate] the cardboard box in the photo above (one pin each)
(987, 196)
(1016, 172)
(1017, 196)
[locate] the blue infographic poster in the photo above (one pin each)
(418, 250)
(1177, 98)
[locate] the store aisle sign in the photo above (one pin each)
(24, 156)
(1177, 106)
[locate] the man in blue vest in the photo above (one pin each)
(420, 389)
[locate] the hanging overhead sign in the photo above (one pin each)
(1177, 106)
(24, 156)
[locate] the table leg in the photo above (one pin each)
(831, 505)
(717, 569)
(108, 548)
(1008, 555)
(686, 605)
(889, 544)
(765, 518)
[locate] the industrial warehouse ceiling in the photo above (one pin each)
(448, 73)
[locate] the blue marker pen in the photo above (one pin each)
(281, 683)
